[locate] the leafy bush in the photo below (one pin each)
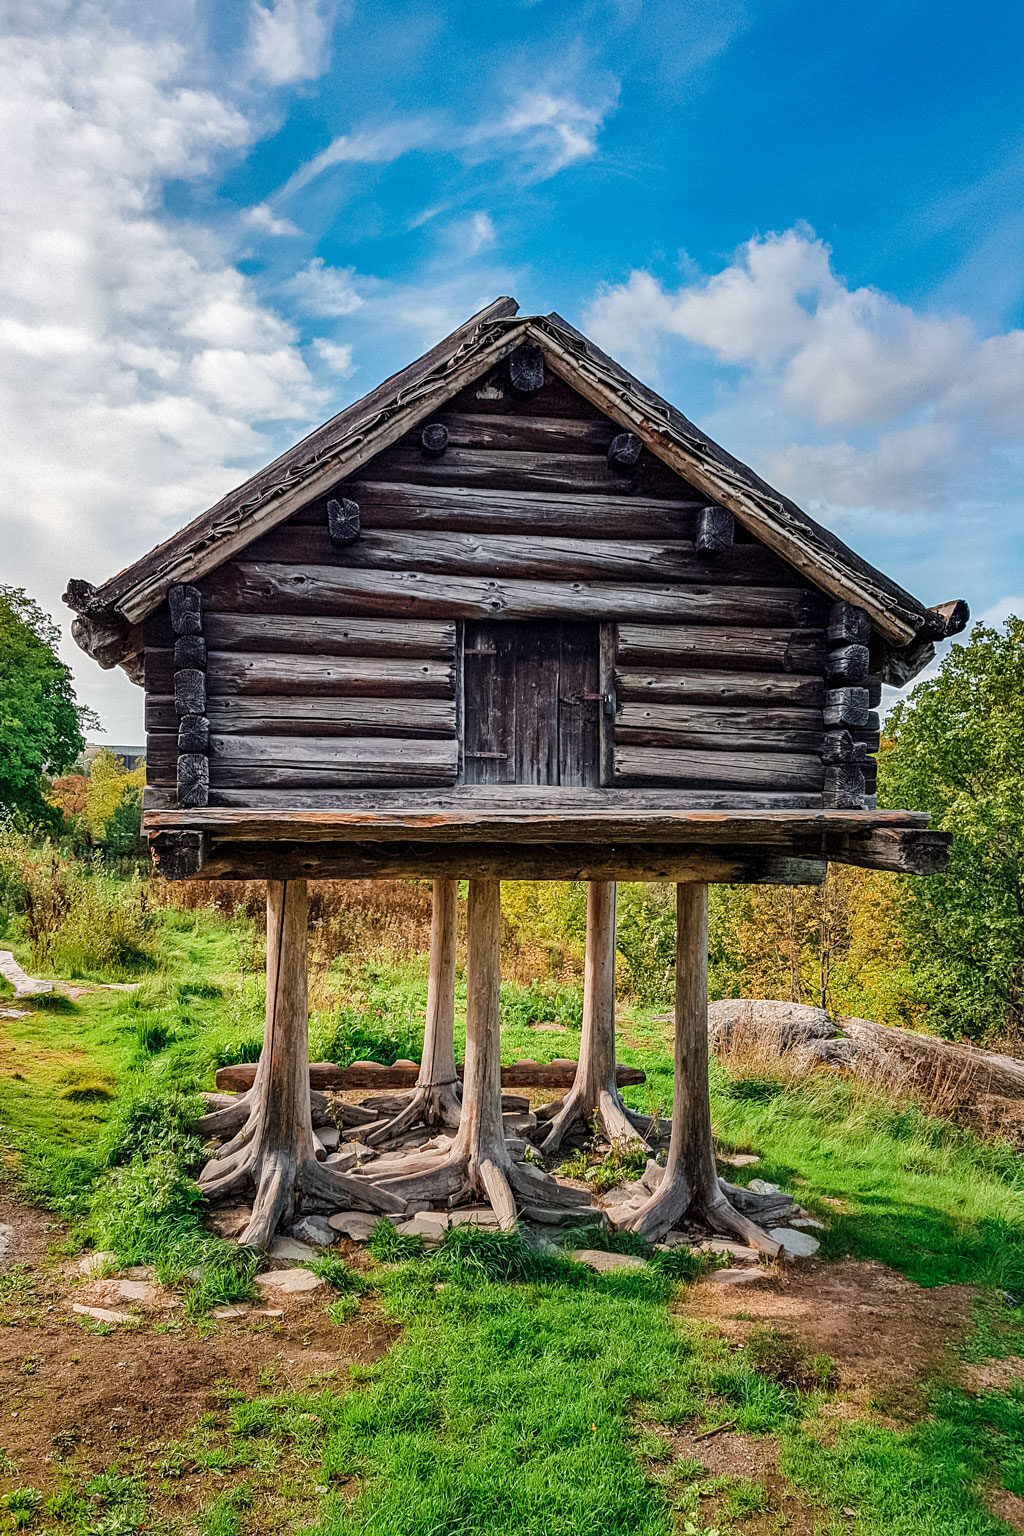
(372, 1034)
(646, 941)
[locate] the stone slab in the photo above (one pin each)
(355, 1224)
(736, 1276)
(101, 1314)
(798, 1245)
(607, 1263)
(288, 1248)
(315, 1230)
(289, 1282)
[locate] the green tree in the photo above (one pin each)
(955, 748)
(40, 723)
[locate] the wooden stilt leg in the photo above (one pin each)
(594, 1097)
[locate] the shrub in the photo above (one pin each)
(541, 1003)
(646, 941)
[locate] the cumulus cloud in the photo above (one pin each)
(262, 218)
(915, 394)
(288, 39)
(136, 362)
(322, 290)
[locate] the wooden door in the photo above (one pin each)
(531, 704)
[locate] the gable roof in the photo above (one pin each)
(109, 615)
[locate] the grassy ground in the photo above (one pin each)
(524, 1395)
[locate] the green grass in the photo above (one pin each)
(515, 1398)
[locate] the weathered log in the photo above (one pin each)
(537, 555)
(189, 651)
(900, 667)
(945, 619)
(186, 609)
(193, 779)
(314, 634)
(194, 734)
(190, 691)
(716, 529)
(78, 594)
(641, 725)
(624, 452)
(523, 802)
(714, 687)
(838, 747)
(848, 625)
(469, 509)
(903, 850)
(274, 1152)
(717, 646)
(486, 861)
(846, 706)
(281, 715)
(377, 1077)
(779, 770)
(179, 855)
(343, 521)
(331, 761)
(847, 664)
(376, 677)
(434, 439)
(843, 787)
(690, 1188)
(259, 587)
(526, 369)
(525, 433)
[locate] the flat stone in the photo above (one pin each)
(289, 1282)
(328, 1136)
(738, 1159)
(426, 1224)
(724, 1245)
(355, 1224)
(807, 1221)
(474, 1216)
(95, 1263)
(762, 1187)
(269, 1312)
(225, 1314)
(288, 1248)
(24, 986)
(799, 1245)
(675, 1240)
(736, 1276)
(607, 1263)
(359, 1149)
(142, 1291)
(101, 1314)
(316, 1230)
(14, 1013)
(140, 1272)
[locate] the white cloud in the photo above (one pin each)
(471, 235)
(542, 131)
(289, 39)
(336, 356)
(322, 290)
(920, 398)
(262, 218)
(134, 357)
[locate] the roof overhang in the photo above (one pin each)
(110, 615)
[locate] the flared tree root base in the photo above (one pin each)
(436, 1107)
(657, 1204)
(582, 1114)
(512, 1187)
(286, 1180)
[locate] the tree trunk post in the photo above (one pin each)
(594, 1097)
(690, 1187)
(436, 1099)
(275, 1150)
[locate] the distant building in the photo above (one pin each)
(131, 757)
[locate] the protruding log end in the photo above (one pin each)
(186, 605)
(343, 521)
(190, 691)
(178, 855)
(848, 663)
(848, 625)
(838, 747)
(78, 594)
(846, 706)
(526, 369)
(190, 651)
(194, 734)
(624, 452)
(193, 780)
(716, 529)
(843, 788)
(434, 439)
(945, 619)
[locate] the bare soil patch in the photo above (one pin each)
(992, 1375)
(885, 1334)
(732, 1455)
(76, 1399)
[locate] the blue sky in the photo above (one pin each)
(801, 222)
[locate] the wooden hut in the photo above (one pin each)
(509, 615)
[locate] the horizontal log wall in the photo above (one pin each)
(333, 668)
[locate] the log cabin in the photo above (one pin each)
(513, 615)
